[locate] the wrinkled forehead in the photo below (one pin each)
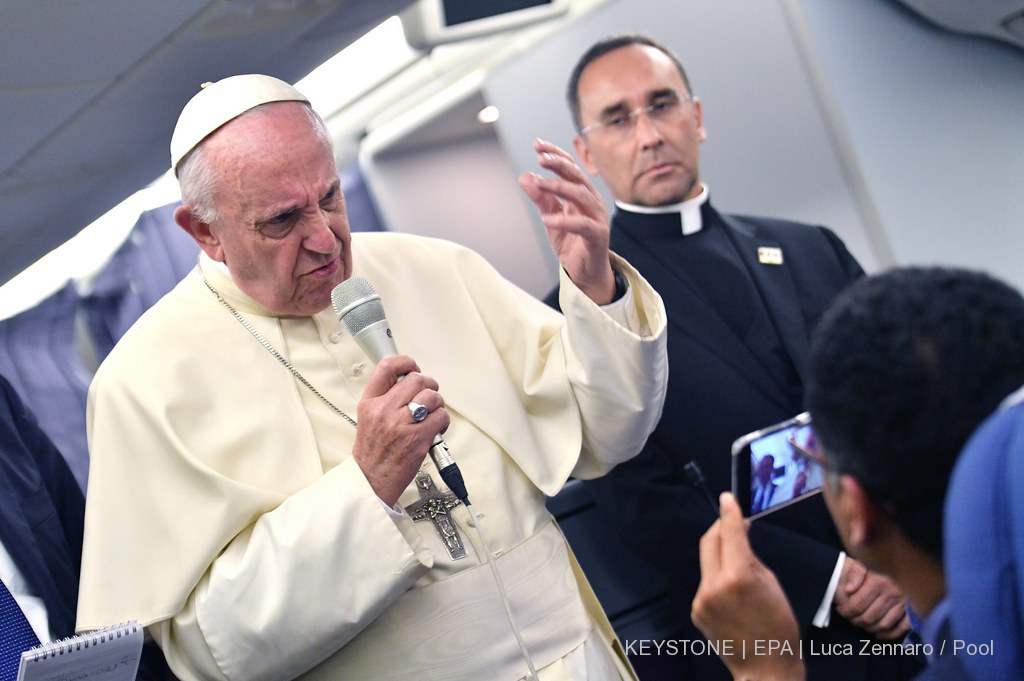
(270, 159)
(630, 75)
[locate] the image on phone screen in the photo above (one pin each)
(776, 466)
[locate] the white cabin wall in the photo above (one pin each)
(462, 191)
(937, 122)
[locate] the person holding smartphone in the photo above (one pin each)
(903, 370)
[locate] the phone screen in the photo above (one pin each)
(775, 466)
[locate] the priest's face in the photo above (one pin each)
(281, 227)
(642, 130)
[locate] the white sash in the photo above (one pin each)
(457, 629)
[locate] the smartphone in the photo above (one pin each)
(776, 466)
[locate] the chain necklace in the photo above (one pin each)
(270, 348)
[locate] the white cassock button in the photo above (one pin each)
(337, 336)
(357, 369)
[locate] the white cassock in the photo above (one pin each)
(225, 511)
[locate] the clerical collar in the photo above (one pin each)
(690, 218)
(220, 277)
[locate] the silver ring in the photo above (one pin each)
(418, 411)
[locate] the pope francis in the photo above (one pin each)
(260, 496)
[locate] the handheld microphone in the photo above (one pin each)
(360, 309)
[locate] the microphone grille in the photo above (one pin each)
(357, 304)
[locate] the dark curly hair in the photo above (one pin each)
(903, 367)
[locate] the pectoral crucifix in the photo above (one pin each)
(434, 505)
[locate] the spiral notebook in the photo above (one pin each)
(109, 654)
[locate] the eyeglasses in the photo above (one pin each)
(664, 109)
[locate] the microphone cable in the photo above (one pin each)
(501, 591)
(696, 477)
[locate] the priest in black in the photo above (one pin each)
(742, 296)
